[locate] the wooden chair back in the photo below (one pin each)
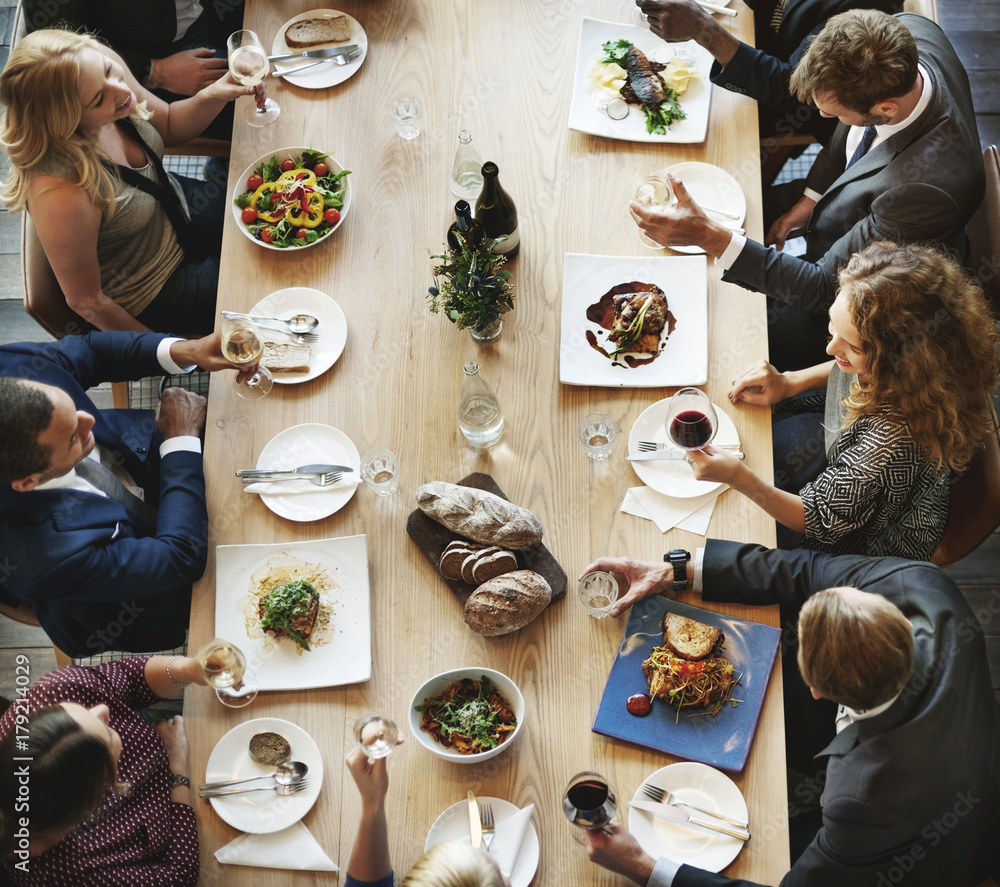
(984, 232)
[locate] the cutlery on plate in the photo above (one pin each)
(292, 789)
(663, 796)
(321, 480)
(652, 446)
(666, 811)
(669, 456)
(284, 72)
(302, 469)
(336, 59)
(300, 324)
(287, 773)
(489, 829)
(316, 53)
(712, 7)
(475, 824)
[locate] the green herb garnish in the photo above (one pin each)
(633, 332)
(615, 52)
(287, 602)
(669, 112)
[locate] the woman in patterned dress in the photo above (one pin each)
(915, 362)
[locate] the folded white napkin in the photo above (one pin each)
(667, 512)
(299, 486)
(303, 451)
(291, 848)
(509, 835)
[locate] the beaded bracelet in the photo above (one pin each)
(174, 680)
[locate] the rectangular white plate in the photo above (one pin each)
(684, 281)
(583, 113)
(347, 659)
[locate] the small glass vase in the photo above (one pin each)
(488, 333)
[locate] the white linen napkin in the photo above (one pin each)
(299, 486)
(291, 848)
(667, 512)
(509, 835)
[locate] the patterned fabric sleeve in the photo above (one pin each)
(124, 680)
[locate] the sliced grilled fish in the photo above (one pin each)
(645, 82)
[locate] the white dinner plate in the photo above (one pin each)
(331, 332)
(331, 73)
(704, 787)
(585, 116)
(684, 359)
(263, 812)
(674, 477)
(305, 445)
(453, 825)
(346, 658)
(711, 186)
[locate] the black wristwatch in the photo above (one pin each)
(176, 779)
(679, 559)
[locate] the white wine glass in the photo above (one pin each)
(652, 189)
(243, 344)
(691, 421)
(249, 65)
(224, 667)
(589, 802)
(376, 736)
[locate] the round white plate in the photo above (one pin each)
(306, 444)
(263, 812)
(673, 477)
(329, 74)
(332, 329)
(711, 186)
(704, 787)
(282, 153)
(453, 825)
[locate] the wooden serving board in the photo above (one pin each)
(432, 538)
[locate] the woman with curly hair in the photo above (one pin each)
(133, 248)
(915, 362)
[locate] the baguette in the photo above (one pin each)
(507, 603)
(479, 515)
(314, 32)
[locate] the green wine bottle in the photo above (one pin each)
(465, 227)
(496, 213)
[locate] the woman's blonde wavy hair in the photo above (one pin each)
(931, 347)
(453, 864)
(40, 89)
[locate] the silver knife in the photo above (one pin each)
(315, 53)
(302, 469)
(288, 71)
(667, 811)
(668, 456)
(475, 823)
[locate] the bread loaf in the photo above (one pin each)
(479, 515)
(507, 603)
(312, 32)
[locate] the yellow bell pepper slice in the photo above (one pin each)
(288, 180)
(261, 202)
(309, 218)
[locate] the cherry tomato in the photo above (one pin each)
(267, 235)
(302, 233)
(249, 215)
(287, 165)
(254, 182)
(331, 216)
(321, 169)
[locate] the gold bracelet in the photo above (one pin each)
(174, 680)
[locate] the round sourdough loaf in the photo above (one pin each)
(507, 603)
(479, 515)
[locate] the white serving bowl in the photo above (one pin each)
(438, 684)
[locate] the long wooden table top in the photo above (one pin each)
(505, 72)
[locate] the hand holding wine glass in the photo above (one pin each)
(691, 421)
(589, 802)
(243, 345)
(377, 736)
(249, 65)
(224, 667)
(651, 189)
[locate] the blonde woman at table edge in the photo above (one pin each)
(450, 864)
(69, 102)
(907, 401)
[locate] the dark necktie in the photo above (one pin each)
(863, 146)
(104, 479)
(776, 16)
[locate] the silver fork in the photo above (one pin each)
(651, 446)
(489, 828)
(336, 59)
(292, 789)
(321, 480)
(666, 797)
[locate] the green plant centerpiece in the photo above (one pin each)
(471, 288)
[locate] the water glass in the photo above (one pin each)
(597, 432)
(405, 110)
(380, 470)
(598, 591)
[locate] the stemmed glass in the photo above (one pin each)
(243, 344)
(691, 421)
(589, 801)
(652, 189)
(376, 735)
(224, 667)
(249, 65)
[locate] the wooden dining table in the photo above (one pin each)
(505, 71)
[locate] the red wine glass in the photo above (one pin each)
(589, 801)
(691, 421)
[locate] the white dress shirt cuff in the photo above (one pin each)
(166, 361)
(663, 873)
(732, 252)
(183, 444)
(812, 195)
(696, 564)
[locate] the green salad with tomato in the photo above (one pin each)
(292, 201)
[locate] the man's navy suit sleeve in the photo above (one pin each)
(758, 75)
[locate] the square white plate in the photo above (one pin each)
(684, 281)
(346, 659)
(584, 115)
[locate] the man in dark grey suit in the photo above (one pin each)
(895, 644)
(902, 96)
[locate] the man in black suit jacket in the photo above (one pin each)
(99, 569)
(899, 805)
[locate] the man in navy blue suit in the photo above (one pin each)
(102, 512)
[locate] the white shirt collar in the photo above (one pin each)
(890, 129)
(847, 715)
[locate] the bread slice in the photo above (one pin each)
(688, 639)
(491, 564)
(311, 33)
(453, 556)
(286, 357)
(269, 748)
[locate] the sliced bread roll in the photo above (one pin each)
(507, 603)
(453, 556)
(491, 564)
(286, 357)
(479, 515)
(269, 748)
(310, 33)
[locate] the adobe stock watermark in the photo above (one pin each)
(22, 764)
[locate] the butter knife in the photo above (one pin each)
(330, 52)
(302, 469)
(475, 824)
(668, 456)
(666, 811)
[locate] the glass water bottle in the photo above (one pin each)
(479, 413)
(466, 178)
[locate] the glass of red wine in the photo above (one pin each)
(589, 801)
(691, 421)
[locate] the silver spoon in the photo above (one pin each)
(298, 324)
(287, 773)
